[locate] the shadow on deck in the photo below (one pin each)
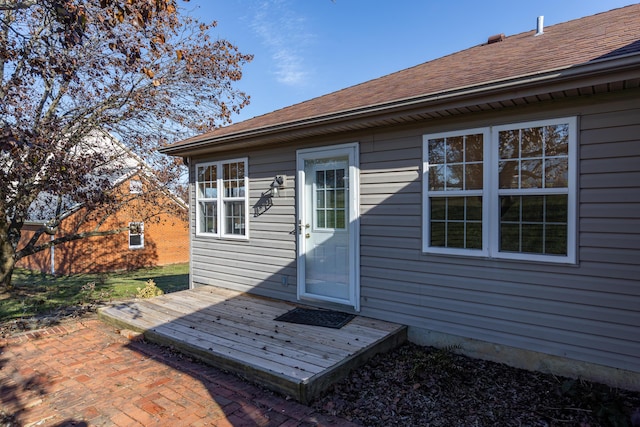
(237, 332)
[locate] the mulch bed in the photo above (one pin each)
(27, 325)
(420, 386)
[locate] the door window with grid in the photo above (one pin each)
(330, 196)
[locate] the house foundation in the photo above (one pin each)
(527, 359)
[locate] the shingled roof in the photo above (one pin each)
(568, 59)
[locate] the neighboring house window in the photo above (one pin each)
(135, 186)
(505, 191)
(136, 235)
(222, 199)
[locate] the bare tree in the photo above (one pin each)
(140, 70)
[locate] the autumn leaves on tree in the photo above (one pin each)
(140, 70)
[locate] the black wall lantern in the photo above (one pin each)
(277, 185)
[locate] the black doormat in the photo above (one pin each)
(308, 316)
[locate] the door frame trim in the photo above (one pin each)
(353, 152)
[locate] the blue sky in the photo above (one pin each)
(308, 48)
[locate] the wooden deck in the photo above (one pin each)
(237, 332)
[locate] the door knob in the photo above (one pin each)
(300, 226)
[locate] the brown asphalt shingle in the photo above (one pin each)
(604, 35)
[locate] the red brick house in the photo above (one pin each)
(156, 220)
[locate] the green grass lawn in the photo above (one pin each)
(36, 293)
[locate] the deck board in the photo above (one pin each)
(237, 332)
(236, 338)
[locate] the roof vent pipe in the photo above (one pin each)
(540, 26)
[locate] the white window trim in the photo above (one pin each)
(425, 191)
(199, 199)
(490, 196)
(221, 199)
(135, 186)
(141, 245)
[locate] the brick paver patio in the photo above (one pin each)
(85, 373)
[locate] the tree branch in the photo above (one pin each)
(147, 75)
(14, 5)
(56, 101)
(30, 250)
(4, 37)
(46, 93)
(23, 59)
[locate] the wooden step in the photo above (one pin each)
(237, 332)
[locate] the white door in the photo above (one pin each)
(328, 226)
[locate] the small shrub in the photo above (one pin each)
(88, 287)
(150, 290)
(86, 292)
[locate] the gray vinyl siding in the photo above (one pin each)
(260, 263)
(589, 311)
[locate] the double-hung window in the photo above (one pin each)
(505, 192)
(136, 235)
(455, 191)
(135, 186)
(222, 199)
